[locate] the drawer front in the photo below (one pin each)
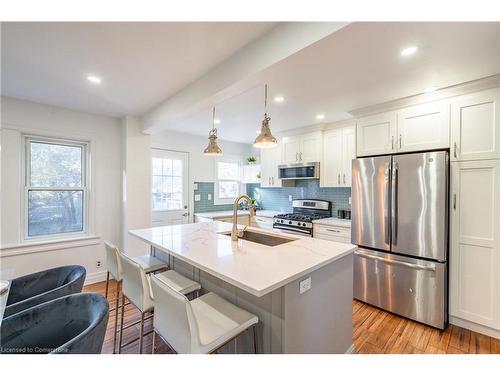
(330, 230)
(262, 222)
(332, 238)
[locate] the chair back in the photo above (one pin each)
(36, 288)
(174, 318)
(74, 324)
(135, 284)
(113, 261)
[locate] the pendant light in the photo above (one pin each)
(265, 139)
(213, 148)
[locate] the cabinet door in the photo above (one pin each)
(291, 150)
(424, 127)
(475, 245)
(376, 134)
(330, 174)
(348, 153)
(270, 158)
(311, 147)
(475, 126)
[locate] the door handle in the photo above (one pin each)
(344, 178)
(400, 141)
(455, 149)
(394, 203)
(454, 201)
(393, 261)
(185, 214)
(392, 143)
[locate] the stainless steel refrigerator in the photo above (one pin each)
(400, 224)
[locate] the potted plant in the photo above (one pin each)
(251, 160)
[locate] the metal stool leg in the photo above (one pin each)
(153, 345)
(141, 333)
(255, 338)
(121, 324)
(107, 285)
(117, 300)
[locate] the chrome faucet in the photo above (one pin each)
(235, 233)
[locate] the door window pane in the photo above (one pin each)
(51, 212)
(167, 184)
(55, 165)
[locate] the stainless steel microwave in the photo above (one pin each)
(298, 171)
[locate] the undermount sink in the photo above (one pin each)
(263, 239)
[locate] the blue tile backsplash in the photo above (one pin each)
(276, 199)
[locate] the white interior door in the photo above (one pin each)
(169, 187)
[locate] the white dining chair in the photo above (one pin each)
(202, 325)
(136, 287)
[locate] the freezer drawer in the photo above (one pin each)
(415, 289)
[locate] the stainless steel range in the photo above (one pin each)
(304, 212)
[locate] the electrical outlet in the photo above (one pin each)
(195, 187)
(98, 264)
(305, 285)
(209, 197)
(197, 197)
(350, 201)
(290, 198)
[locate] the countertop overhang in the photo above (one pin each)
(255, 268)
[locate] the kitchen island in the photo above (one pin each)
(301, 289)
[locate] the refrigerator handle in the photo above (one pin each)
(387, 204)
(394, 203)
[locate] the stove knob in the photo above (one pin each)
(290, 222)
(303, 224)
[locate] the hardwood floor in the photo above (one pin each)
(375, 332)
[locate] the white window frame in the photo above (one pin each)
(228, 159)
(85, 146)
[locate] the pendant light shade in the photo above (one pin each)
(265, 139)
(213, 148)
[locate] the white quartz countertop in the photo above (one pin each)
(216, 214)
(257, 269)
(334, 222)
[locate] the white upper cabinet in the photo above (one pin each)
(376, 134)
(338, 152)
(475, 126)
(424, 127)
(302, 148)
(270, 158)
(475, 242)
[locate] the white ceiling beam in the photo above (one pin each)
(222, 82)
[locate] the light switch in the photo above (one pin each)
(197, 197)
(290, 198)
(209, 197)
(195, 186)
(350, 201)
(305, 285)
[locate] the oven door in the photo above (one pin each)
(295, 231)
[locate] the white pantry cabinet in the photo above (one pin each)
(424, 127)
(475, 242)
(338, 152)
(376, 134)
(270, 158)
(302, 148)
(475, 126)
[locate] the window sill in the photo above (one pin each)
(50, 245)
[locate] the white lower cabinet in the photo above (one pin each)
(475, 242)
(262, 222)
(332, 233)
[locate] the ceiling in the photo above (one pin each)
(358, 66)
(140, 63)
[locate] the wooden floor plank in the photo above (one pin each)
(374, 331)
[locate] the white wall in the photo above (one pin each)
(20, 117)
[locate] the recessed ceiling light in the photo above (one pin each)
(279, 99)
(94, 79)
(409, 51)
(320, 117)
(217, 121)
(431, 88)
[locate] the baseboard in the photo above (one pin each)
(351, 350)
(475, 327)
(95, 277)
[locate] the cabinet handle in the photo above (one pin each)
(400, 141)
(338, 178)
(455, 149)
(343, 178)
(269, 180)
(300, 156)
(273, 180)
(333, 230)
(392, 143)
(454, 202)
